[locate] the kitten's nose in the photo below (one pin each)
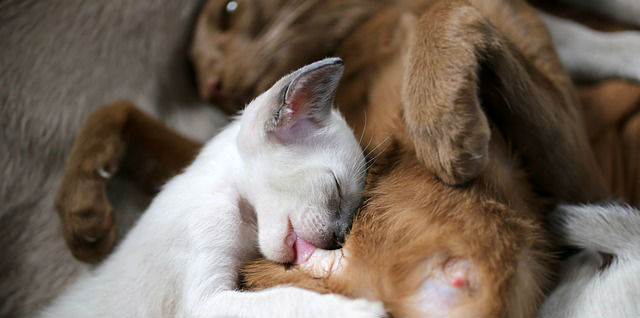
(341, 231)
(213, 88)
(335, 237)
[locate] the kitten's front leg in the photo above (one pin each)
(211, 286)
(286, 301)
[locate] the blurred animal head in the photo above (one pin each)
(241, 47)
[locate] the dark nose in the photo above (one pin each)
(342, 229)
(213, 88)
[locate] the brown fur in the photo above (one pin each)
(115, 135)
(439, 83)
(81, 201)
(451, 136)
(274, 37)
(412, 223)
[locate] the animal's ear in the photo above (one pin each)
(307, 97)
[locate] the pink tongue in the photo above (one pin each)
(303, 249)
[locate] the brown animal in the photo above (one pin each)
(452, 90)
(273, 36)
(117, 136)
(415, 234)
(461, 136)
(107, 140)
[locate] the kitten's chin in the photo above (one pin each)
(280, 248)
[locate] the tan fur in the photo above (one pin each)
(115, 135)
(279, 34)
(81, 201)
(59, 62)
(411, 220)
(399, 231)
(455, 130)
(440, 82)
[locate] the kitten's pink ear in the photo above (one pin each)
(308, 97)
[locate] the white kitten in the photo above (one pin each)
(590, 287)
(291, 162)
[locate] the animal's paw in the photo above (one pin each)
(345, 307)
(455, 157)
(87, 221)
(85, 212)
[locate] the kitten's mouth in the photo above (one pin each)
(302, 249)
(315, 261)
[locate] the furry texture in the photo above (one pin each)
(59, 62)
(459, 138)
(612, 113)
(117, 136)
(403, 241)
(274, 32)
(519, 88)
(592, 55)
(591, 285)
(451, 136)
(255, 182)
(162, 85)
(424, 248)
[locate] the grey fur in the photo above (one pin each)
(59, 60)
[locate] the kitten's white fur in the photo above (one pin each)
(289, 162)
(588, 287)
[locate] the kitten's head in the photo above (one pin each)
(306, 167)
(241, 47)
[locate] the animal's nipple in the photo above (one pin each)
(457, 271)
(458, 282)
(447, 286)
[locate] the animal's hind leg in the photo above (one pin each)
(115, 136)
(462, 71)
(441, 108)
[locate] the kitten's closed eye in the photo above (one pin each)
(338, 188)
(335, 200)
